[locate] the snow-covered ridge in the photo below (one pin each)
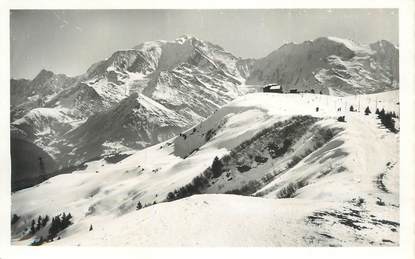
(339, 176)
(352, 45)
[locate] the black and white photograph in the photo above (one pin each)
(268, 127)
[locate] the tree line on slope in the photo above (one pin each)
(276, 140)
(386, 118)
(58, 223)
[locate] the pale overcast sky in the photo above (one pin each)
(69, 41)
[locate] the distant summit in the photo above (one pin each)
(331, 65)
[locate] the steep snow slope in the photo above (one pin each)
(341, 195)
(331, 65)
(135, 123)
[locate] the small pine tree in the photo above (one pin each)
(381, 113)
(389, 122)
(32, 227)
(52, 229)
(341, 119)
(45, 220)
(351, 108)
(58, 222)
(39, 223)
(377, 111)
(217, 167)
(15, 218)
(139, 206)
(66, 220)
(367, 111)
(171, 196)
(90, 228)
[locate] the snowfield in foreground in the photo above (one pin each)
(341, 189)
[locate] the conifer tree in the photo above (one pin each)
(32, 227)
(217, 167)
(381, 113)
(45, 220)
(15, 218)
(139, 206)
(39, 223)
(367, 111)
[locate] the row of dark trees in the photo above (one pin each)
(59, 223)
(41, 222)
(387, 119)
(199, 182)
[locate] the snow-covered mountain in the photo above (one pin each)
(136, 122)
(314, 181)
(187, 75)
(28, 94)
(147, 94)
(330, 65)
(135, 98)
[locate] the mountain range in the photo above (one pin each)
(147, 94)
(173, 143)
